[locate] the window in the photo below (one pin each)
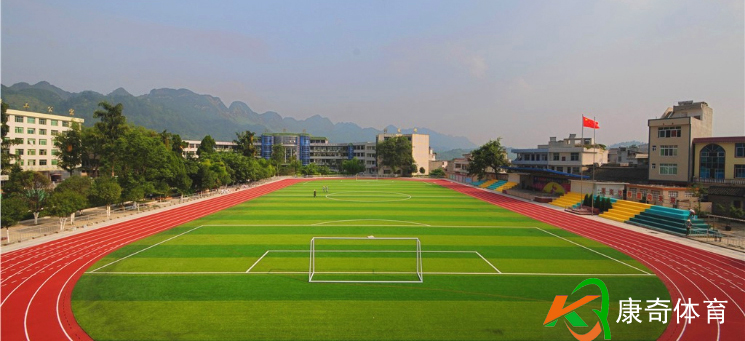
(55, 132)
(42, 142)
(32, 152)
(711, 165)
(18, 140)
(55, 152)
(42, 162)
(42, 152)
(668, 169)
(672, 194)
(31, 131)
(668, 150)
(19, 151)
(55, 122)
(19, 130)
(560, 169)
(32, 162)
(19, 119)
(654, 148)
(654, 165)
(740, 171)
(31, 141)
(30, 120)
(556, 156)
(739, 149)
(65, 123)
(42, 131)
(54, 162)
(665, 132)
(575, 157)
(575, 170)
(43, 121)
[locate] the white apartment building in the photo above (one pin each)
(35, 134)
(568, 155)
(419, 150)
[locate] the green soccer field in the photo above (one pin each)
(483, 272)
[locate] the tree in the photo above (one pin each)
(64, 204)
(245, 143)
(489, 157)
(437, 173)
(207, 146)
(395, 153)
(6, 143)
(113, 125)
(106, 191)
(70, 146)
(278, 156)
(422, 170)
(353, 166)
(13, 208)
(36, 192)
(309, 169)
(295, 165)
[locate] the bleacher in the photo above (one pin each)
(506, 186)
(478, 183)
(623, 210)
(496, 184)
(569, 199)
(668, 219)
(487, 183)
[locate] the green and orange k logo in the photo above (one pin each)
(558, 310)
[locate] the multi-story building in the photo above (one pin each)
(719, 160)
(671, 141)
(629, 156)
(306, 148)
(220, 146)
(571, 155)
(419, 149)
(34, 135)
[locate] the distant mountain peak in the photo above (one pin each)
(120, 92)
(194, 116)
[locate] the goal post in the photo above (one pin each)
(365, 260)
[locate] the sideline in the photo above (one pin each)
(119, 217)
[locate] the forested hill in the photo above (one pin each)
(193, 115)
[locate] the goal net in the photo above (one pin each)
(365, 260)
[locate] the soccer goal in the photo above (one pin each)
(365, 260)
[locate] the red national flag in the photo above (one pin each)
(586, 122)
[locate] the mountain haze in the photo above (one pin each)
(194, 116)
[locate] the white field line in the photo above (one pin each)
(257, 261)
(176, 273)
(149, 247)
(353, 220)
(413, 224)
(600, 253)
(488, 262)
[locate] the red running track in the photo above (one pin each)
(686, 271)
(36, 283)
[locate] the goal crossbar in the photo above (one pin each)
(312, 262)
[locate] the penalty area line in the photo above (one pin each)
(598, 252)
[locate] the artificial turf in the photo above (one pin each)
(195, 286)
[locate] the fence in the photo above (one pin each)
(725, 231)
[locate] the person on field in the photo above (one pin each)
(314, 193)
(691, 213)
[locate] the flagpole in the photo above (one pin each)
(594, 151)
(582, 153)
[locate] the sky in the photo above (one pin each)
(520, 70)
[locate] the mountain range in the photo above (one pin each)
(194, 116)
